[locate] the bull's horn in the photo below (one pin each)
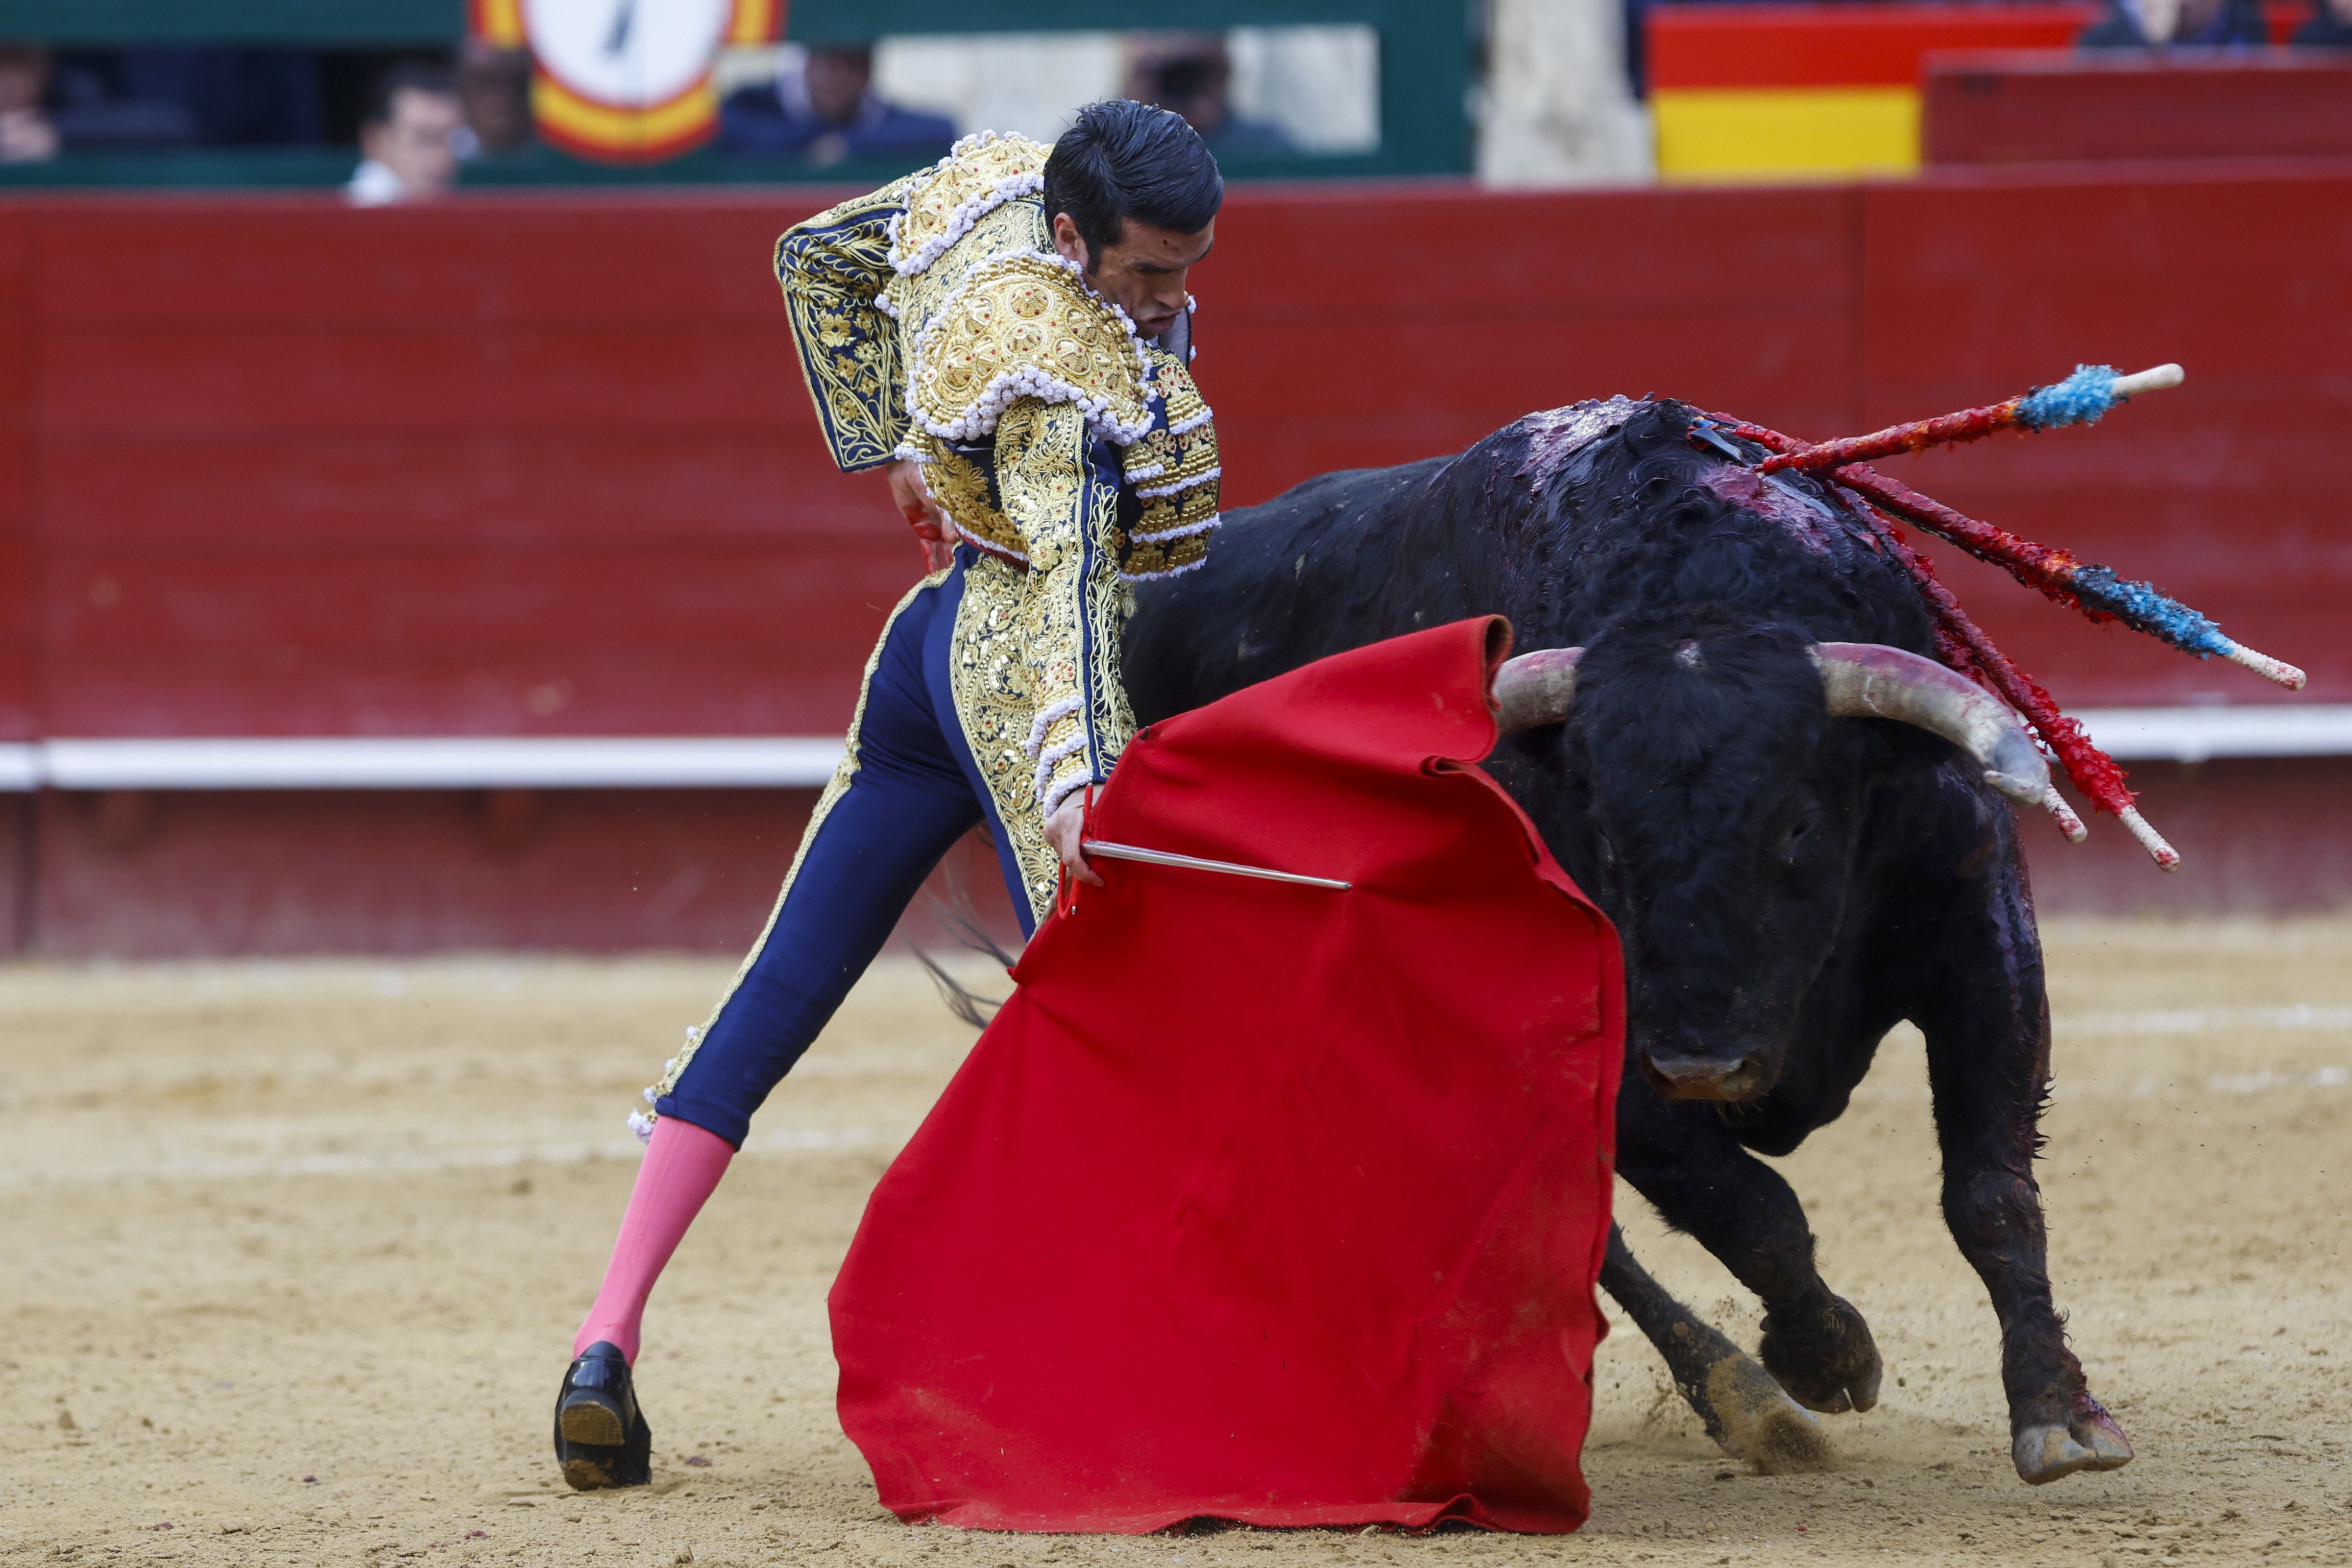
(1535, 689)
(1870, 680)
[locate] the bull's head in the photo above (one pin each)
(1716, 808)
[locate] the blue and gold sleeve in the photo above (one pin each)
(833, 268)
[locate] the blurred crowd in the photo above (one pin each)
(416, 121)
(2213, 24)
(823, 108)
(119, 99)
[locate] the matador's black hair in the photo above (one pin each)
(1127, 160)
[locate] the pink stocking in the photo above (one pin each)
(683, 1165)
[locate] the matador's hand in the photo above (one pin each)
(1064, 829)
(914, 501)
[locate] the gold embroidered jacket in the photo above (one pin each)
(934, 320)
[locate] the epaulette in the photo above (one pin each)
(980, 174)
(1022, 325)
(1000, 319)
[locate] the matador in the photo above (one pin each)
(1007, 335)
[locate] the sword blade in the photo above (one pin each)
(1194, 862)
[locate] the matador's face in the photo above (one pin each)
(1144, 273)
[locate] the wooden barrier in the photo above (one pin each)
(2041, 108)
(544, 467)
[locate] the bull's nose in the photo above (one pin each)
(1679, 1077)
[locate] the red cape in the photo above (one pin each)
(1266, 1203)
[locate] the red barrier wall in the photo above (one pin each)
(2077, 106)
(545, 466)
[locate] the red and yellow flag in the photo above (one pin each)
(625, 81)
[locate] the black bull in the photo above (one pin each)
(1789, 887)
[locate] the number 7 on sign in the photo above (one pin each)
(624, 20)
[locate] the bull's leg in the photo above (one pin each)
(1745, 1412)
(1683, 1159)
(1988, 1028)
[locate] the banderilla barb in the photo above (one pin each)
(2096, 591)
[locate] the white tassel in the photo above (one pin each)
(961, 222)
(1047, 717)
(1155, 491)
(1163, 534)
(1053, 758)
(1157, 576)
(1050, 804)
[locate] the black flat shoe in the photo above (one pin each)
(600, 1436)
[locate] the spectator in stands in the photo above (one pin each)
(188, 96)
(2330, 27)
(493, 86)
(90, 103)
(1191, 73)
(408, 141)
(2194, 24)
(826, 111)
(26, 134)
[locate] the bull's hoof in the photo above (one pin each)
(1823, 1356)
(1754, 1419)
(2091, 1441)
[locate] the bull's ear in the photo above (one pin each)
(1535, 689)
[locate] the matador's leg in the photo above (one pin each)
(897, 804)
(899, 801)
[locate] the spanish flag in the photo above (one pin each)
(1828, 92)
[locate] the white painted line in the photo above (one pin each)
(232, 1168)
(2206, 1021)
(2199, 734)
(2147, 1086)
(803, 762)
(553, 762)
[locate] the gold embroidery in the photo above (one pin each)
(960, 486)
(1068, 518)
(988, 672)
(1176, 385)
(1023, 326)
(973, 175)
(834, 789)
(1017, 227)
(1178, 460)
(831, 268)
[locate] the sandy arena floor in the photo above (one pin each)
(293, 1254)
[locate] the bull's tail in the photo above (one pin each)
(952, 906)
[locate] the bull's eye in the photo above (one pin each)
(1799, 832)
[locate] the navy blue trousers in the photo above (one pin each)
(914, 792)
